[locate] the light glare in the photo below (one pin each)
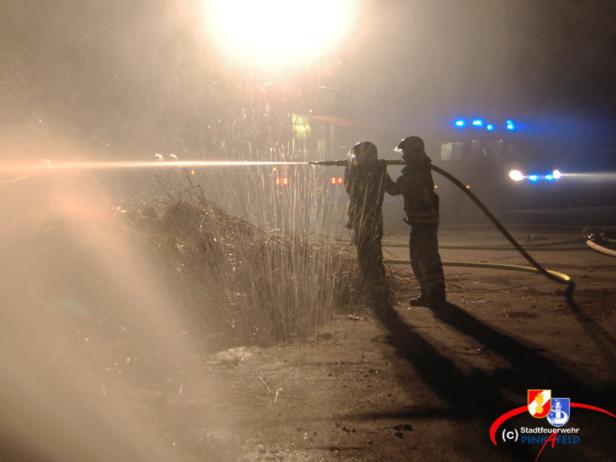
(516, 175)
(278, 33)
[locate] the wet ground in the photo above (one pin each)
(413, 384)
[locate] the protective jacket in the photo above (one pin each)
(421, 203)
(366, 185)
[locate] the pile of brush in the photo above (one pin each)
(240, 283)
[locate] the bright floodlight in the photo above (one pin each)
(459, 123)
(516, 175)
(490, 127)
(557, 175)
(279, 33)
(509, 125)
(477, 123)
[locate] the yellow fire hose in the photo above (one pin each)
(496, 266)
(544, 247)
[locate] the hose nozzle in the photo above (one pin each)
(330, 163)
(345, 162)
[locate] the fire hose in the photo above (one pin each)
(592, 244)
(536, 267)
(556, 246)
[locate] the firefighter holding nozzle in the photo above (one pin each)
(366, 181)
(421, 207)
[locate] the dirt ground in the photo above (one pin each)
(395, 385)
(413, 384)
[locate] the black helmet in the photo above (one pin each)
(411, 145)
(364, 151)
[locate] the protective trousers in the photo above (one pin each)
(370, 259)
(426, 261)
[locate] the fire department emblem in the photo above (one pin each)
(560, 411)
(539, 403)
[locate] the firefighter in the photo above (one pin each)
(421, 206)
(366, 181)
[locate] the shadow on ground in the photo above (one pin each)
(480, 396)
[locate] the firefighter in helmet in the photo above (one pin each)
(366, 181)
(421, 206)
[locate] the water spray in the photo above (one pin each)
(48, 166)
(21, 171)
(536, 267)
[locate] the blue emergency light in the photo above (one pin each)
(479, 123)
(517, 176)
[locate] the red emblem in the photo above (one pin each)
(539, 403)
